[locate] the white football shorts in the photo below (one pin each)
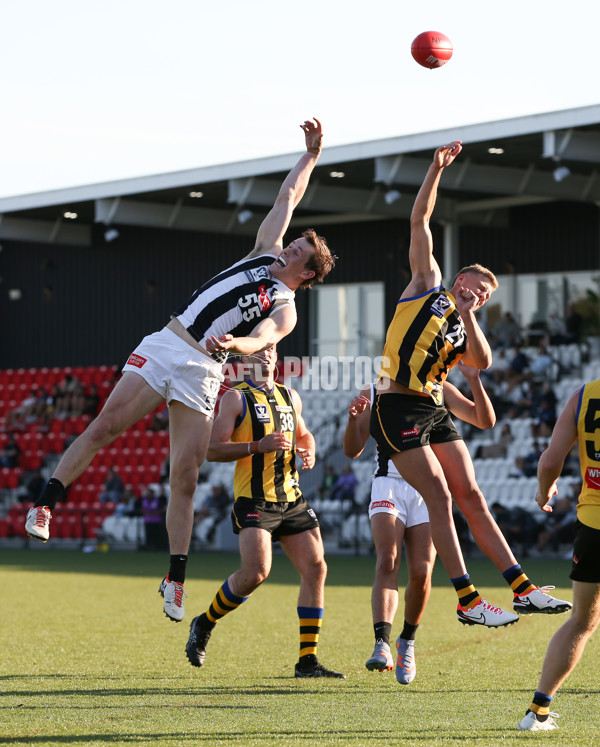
(393, 495)
(177, 371)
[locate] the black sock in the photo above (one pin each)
(308, 660)
(409, 631)
(204, 623)
(177, 568)
(51, 494)
(383, 631)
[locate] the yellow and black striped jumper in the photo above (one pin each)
(272, 477)
(588, 425)
(587, 420)
(425, 339)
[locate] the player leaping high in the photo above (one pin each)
(245, 309)
(431, 331)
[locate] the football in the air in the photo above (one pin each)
(432, 49)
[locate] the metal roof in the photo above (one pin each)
(503, 163)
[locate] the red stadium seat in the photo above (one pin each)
(9, 477)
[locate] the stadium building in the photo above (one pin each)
(87, 271)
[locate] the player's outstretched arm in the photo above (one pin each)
(264, 335)
(426, 273)
(270, 234)
(552, 460)
(479, 411)
(356, 434)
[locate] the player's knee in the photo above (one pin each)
(421, 577)
(183, 480)
(388, 562)
(258, 574)
(438, 497)
(314, 570)
(104, 429)
(582, 625)
(473, 501)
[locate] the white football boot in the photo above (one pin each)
(381, 659)
(531, 722)
(173, 593)
(37, 524)
(486, 614)
(538, 600)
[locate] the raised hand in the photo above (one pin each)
(446, 154)
(466, 300)
(313, 134)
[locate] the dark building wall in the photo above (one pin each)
(101, 301)
(552, 237)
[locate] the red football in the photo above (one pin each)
(432, 49)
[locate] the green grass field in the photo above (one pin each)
(88, 658)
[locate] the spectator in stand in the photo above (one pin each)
(544, 419)
(517, 525)
(519, 363)
(526, 466)
(539, 367)
(11, 453)
(213, 510)
(92, 401)
(328, 481)
(133, 502)
(543, 411)
(574, 324)
(113, 487)
(121, 507)
(571, 466)
(506, 333)
(498, 449)
(66, 393)
(559, 526)
(24, 414)
(344, 488)
(557, 329)
(77, 401)
(154, 510)
(39, 407)
(51, 399)
(497, 371)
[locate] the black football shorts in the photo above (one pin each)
(586, 554)
(279, 519)
(400, 422)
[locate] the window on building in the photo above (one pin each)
(347, 320)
